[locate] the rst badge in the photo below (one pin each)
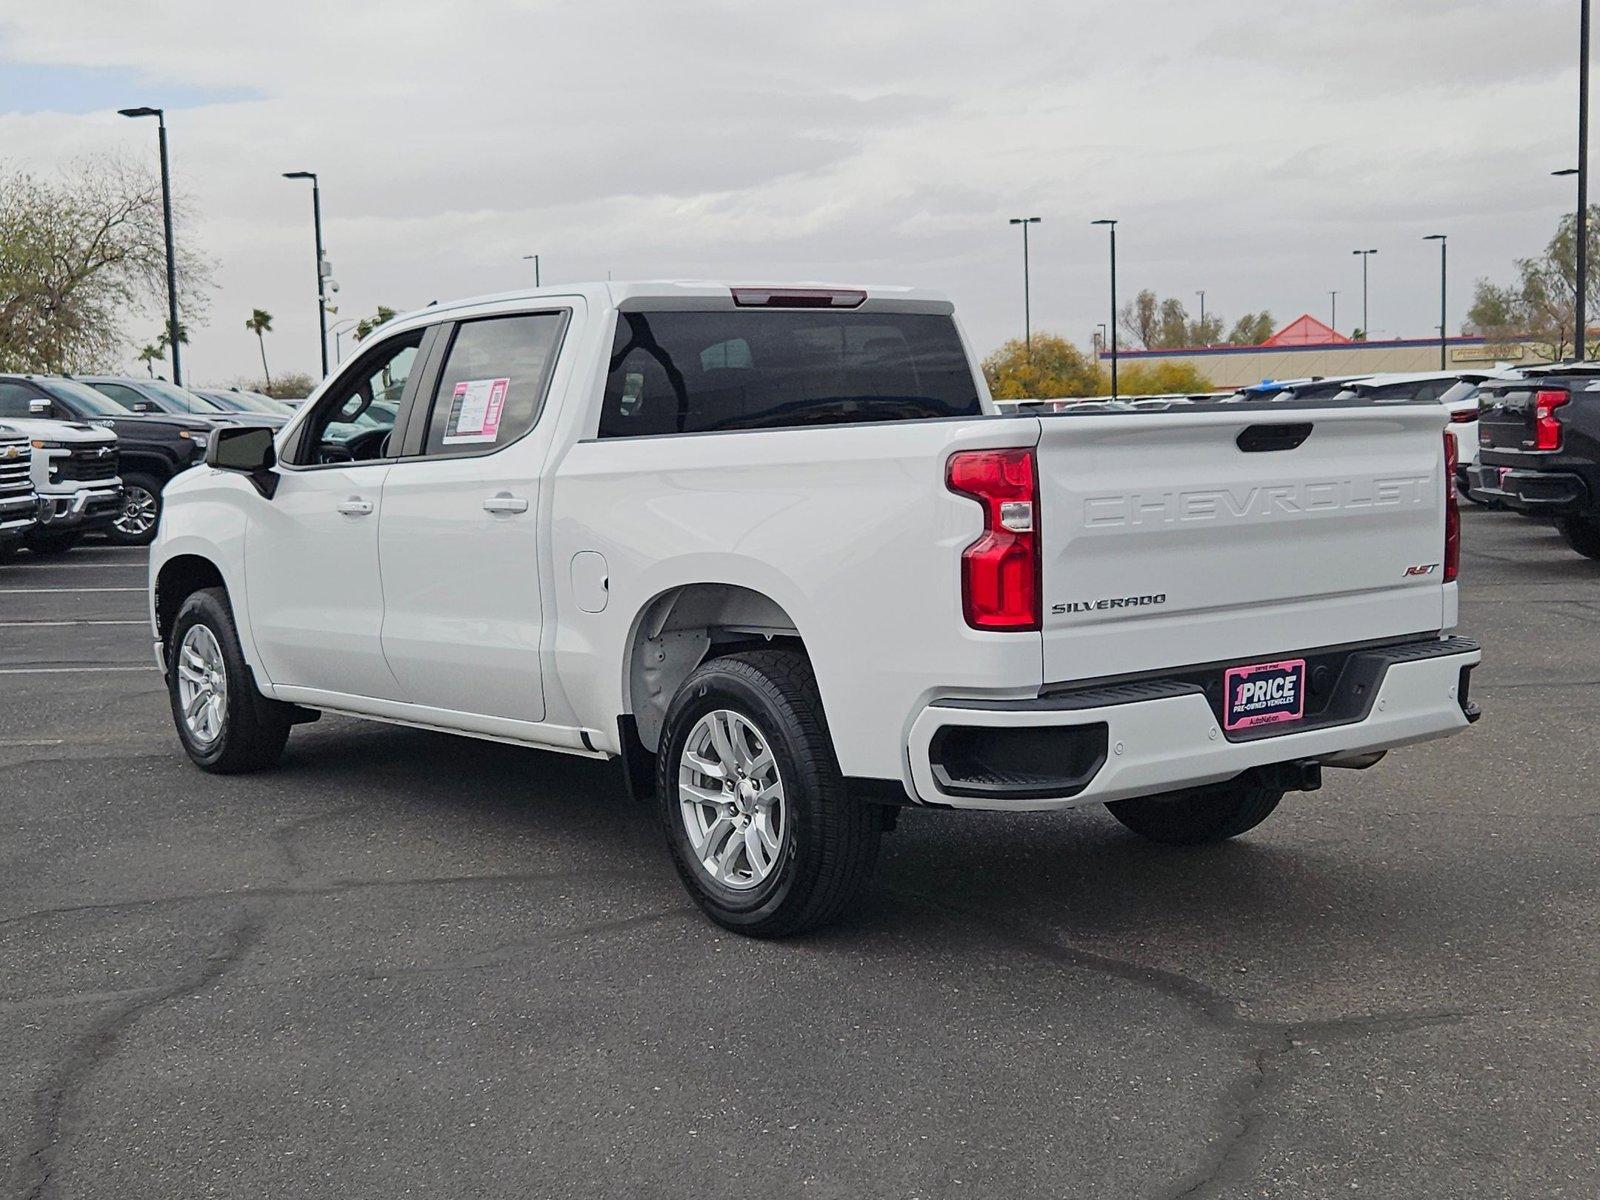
(1264, 694)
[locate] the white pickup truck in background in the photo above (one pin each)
(773, 547)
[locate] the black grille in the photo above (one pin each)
(89, 464)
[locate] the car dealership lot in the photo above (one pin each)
(408, 964)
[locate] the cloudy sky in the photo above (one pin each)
(1247, 146)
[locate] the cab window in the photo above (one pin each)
(493, 383)
(122, 394)
(354, 421)
(14, 399)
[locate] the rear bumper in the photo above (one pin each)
(1558, 493)
(86, 508)
(1156, 736)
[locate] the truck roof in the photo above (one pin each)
(684, 292)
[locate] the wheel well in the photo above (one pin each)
(152, 465)
(680, 629)
(180, 578)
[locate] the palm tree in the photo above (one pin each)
(260, 324)
(151, 355)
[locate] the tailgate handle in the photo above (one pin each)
(1256, 439)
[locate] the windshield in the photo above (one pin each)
(1460, 393)
(183, 399)
(83, 397)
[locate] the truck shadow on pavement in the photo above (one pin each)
(1077, 872)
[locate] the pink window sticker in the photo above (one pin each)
(475, 409)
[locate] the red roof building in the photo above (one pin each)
(1306, 330)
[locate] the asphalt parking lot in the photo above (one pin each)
(410, 965)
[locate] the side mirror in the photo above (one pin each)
(247, 449)
(143, 406)
(39, 408)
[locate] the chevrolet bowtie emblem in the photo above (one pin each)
(10, 452)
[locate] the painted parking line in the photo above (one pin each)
(48, 591)
(70, 670)
(61, 624)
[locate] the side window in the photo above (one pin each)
(353, 422)
(14, 398)
(123, 395)
(493, 382)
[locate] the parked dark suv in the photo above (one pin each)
(1539, 448)
(154, 446)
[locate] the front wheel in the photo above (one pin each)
(136, 521)
(1197, 815)
(755, 809)
(1582, 534)
(226, 725)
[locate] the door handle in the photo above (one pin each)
(504, 502)
(355, 507)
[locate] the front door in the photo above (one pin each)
(459, 538)
(311, 551)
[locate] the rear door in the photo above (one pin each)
(1181, 538)
(459, 538)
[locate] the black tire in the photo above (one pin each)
(1198, 815)
(48, 545)
(829, 842)
(254, 728)
(135, 487)
(1582, 534)
(8, 550)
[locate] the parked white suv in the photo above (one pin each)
(774, 549)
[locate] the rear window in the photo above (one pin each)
(704, 372)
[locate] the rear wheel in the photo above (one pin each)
(755, 809)
(1582, 534)
(135, 523)
(1197, 815)
(226, 725)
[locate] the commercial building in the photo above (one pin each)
(1307, 347)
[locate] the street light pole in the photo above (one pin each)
(1333, 315)
(1366, 329)
(1202, 294)
(316, 218)
(1027, 289)
(1442, 240)
(1112, 226)
(173, 330)
(1583, 179)
(535, 258)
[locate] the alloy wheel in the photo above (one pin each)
(139, 512)
(730, 796)
(202, 684)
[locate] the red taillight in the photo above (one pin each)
(1000, 571)
(1462, 415)
(1546, 429)
(1452, 513)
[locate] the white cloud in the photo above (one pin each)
(1245, 150)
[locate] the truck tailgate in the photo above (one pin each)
(1177, 538)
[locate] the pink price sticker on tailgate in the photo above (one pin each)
(1264, 694)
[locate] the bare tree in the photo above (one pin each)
(78, 256)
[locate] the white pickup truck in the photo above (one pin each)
(774, 548)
